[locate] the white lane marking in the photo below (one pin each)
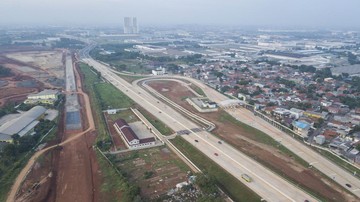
(130, 90)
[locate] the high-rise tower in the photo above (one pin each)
(130, 25)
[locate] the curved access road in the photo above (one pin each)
(265, 182)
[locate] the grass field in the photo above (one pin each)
(115, 186)
(111, 98)
(134, 66)
(233, 187)
(154, 170)
(90, 78)
(159, 125)
(197, 89)
(127, 115)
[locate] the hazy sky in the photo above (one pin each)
(308, 13)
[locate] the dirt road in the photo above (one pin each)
(91, 127)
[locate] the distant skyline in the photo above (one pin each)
(277, 13)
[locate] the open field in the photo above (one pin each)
(32, 72)
(45, 66)
(261, 147)
(233, 187)
(154, 170)
(127, 115)
(130, 78)
(45, 60)
(131, 65)
(112, 185)
(112, 98)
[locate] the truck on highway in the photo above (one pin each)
(246, 177)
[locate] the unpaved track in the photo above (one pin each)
(32, 160)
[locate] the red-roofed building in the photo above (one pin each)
(129, 137)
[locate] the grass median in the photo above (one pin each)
(159, 125)
(261, 137)
(228, 183)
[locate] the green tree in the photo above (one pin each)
(10, 150)
(206, 183)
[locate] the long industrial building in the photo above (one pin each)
(22, 125)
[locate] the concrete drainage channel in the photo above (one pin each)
(210, 126)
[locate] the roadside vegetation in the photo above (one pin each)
(121, 59)
(197, 89)
(90, 79)
(159, 125)
(14, 156)
(260, 136)
(115, 184)
(103, 96)
(116, 187)
(111, 98)
(155, 170)
(344, 163)
(228, 183)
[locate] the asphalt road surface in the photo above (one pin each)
(266, 183)
(314, 159)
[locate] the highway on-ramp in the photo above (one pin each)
(266, 183)
(330, 169)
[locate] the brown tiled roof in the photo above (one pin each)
(129, 133)
(121, 122)
(146, 140)
(126, 130)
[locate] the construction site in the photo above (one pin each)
(32, 71)
(66, 169)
